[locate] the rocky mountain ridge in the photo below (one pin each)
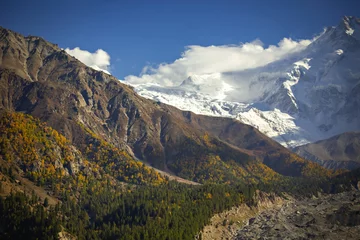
(42, 80)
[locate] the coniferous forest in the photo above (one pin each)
(169, 211)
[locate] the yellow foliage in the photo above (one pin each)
(207, 142)
(208, 196)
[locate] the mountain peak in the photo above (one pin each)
(207, 79)
(305, 97)
(350, 19)
(351, 26)
(192, 80)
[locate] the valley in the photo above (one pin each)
(84, 155)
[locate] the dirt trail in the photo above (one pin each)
(172, 177)
(163, 173)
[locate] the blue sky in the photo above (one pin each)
(140, 33)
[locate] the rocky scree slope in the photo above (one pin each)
(326, 217)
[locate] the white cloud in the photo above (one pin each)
(217, 59)
(99, 60)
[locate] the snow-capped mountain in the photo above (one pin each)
(308, 96)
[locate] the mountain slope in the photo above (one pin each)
(40, 79)
(307, 96)
(341, 151)
(48, 188)
(43, 155)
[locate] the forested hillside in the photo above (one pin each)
(101, 200)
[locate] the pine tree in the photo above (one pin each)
(46, 202)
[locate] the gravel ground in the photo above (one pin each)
(327, 217)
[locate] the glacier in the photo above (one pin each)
(307, 96)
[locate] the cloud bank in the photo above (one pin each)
(197, 60)
(99, 60)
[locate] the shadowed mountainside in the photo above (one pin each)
(340, 151)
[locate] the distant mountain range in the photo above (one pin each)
(40, 79)
(308, 96)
